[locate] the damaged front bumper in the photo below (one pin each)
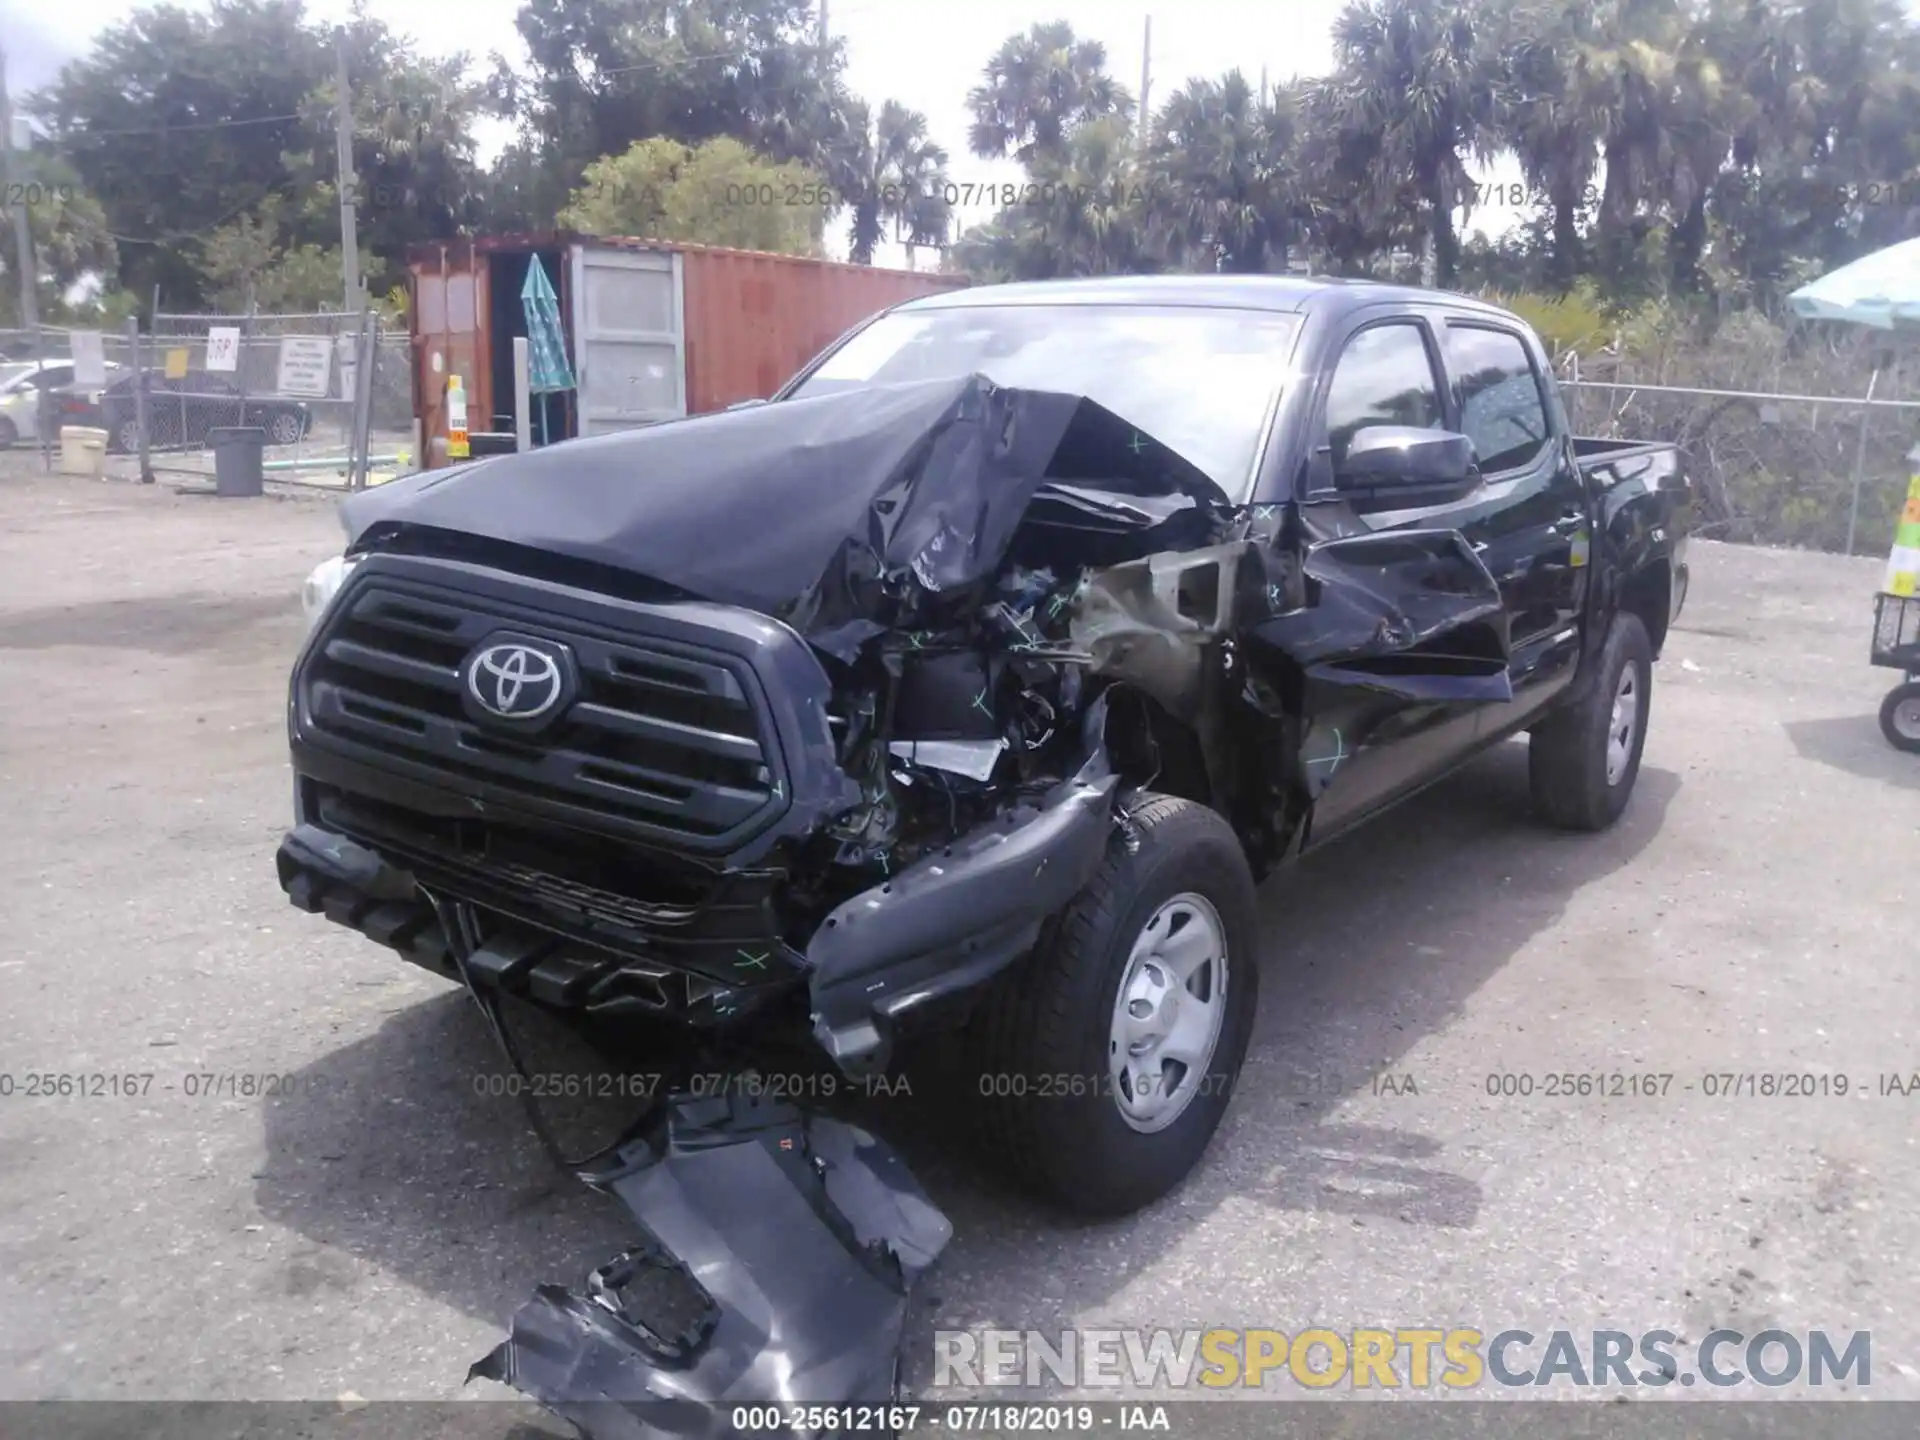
(940, 927)
(780, 1249)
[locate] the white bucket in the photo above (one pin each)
(83, 451)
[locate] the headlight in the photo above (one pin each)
(322, 585)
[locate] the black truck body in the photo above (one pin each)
(932, 692)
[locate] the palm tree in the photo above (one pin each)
(1360, 203)
(1088, 215)
(1422, 77)
(1552, 120)
(1039, 88)
(1220, 175)
(891, 171)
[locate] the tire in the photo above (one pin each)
(284, 428)
(1900, 717)
(126, 436)
(1581, 770)
(1048, 1103)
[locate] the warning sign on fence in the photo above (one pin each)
(306, 365)
(223, 347)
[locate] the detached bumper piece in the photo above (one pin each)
(805, 1234)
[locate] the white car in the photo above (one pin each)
(24, 382)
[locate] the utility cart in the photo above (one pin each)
(1896, 623)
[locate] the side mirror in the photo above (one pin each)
(1404, 465)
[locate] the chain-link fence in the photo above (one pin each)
(159, 392)
(295, 377)
(1779, 450)
(46, 385)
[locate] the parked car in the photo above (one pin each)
(975, 681)
(181, 410)
(31, 389)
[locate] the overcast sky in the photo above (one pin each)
(925, 53)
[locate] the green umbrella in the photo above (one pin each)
(547, 369)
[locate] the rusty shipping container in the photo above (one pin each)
(655, 330)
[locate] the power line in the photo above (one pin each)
(90, 134)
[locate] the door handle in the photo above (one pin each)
(1571, 523)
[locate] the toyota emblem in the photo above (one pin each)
(515, 681)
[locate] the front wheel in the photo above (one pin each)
(1583, 761)
(1106, 1060)
(1900, 717)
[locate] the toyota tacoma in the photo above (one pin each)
(972, 684)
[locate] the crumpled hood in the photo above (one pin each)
(806, 510)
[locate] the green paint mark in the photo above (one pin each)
(1137, 445)
(751, 962)
(980, 703)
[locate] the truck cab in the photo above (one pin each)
(971, 685)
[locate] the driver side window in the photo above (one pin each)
(1384, 377)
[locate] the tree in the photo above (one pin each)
(1221, 177)
(1422, 76)
(183, 122)
(606, 74)
(177, 120)
(71, 245)
(890, 171)
(1552, 119)
(413, 150)
(718, 193)
(1361, 205)
(1089, 215)
(1039, 88)
(243, 267)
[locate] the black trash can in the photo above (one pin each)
(238, 451)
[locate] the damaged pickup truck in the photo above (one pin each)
(974, 682)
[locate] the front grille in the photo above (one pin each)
(665, 741)
(709, 922)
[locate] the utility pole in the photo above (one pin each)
(343, 138)
(1146, 81)
(1263, 87)
(823, 22)
(22, 229)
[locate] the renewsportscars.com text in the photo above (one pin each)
(1408, 1357)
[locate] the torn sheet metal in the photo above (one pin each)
(826, 504)
(781, 1247)
(1146, 621)
(974, 759)
(1411, 613)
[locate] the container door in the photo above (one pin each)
(629, 338)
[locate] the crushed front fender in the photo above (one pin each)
(781, 1248)
(955, 918)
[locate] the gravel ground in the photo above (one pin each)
(369, 1231)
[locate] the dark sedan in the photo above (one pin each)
(181, 411)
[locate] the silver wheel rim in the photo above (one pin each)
(284, 430)
(130, 436)
(1625, 721)
(1906, 719)
(1169, 1012)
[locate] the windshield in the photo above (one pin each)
(12, 375)
(1200, 381)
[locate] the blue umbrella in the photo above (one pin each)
(1881, 290)
(547, 369)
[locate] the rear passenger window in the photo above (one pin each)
(1500, 406)
(1384, 377)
